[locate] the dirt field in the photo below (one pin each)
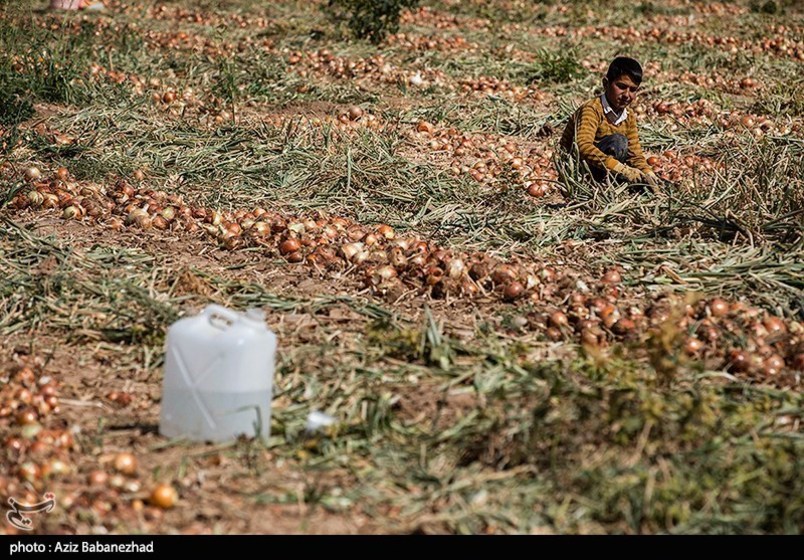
(503, 352)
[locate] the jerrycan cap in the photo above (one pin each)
(255, 315)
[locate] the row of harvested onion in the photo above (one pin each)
(791, 47)
(567, 304)
(488, 158)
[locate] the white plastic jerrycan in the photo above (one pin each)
(219, 369)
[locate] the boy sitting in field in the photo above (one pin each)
(606, 133)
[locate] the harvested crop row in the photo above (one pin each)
(563, 303)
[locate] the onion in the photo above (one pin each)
(378, 256)
(426, 127)
(773, 365)
(26, 417)
(397, 258)
(536, 190)
(35, 198)
(210, 229)
(624, 326)
(214, 217)
(739, 361)
(361, 257)
(141, 219)
(25, 375)
(14, 444)
(420, 247)
(440, 256)
(547, 274)
(719, 307)
(386, 231)
(296, 227)
(330, 232)
(55, 467)
(29, 471)
(692, 346)
(417, 261)
(774, 325)
(232, 228)
(65, 198)
(262, 228)
(93, 210)
(554, 334)
(97, 478)
(355, 233)
(290, 245)
(125, 463)
(455, 268)
(468, 287)
(350, 250)
(339, 223)
(51, 200)
(609, 315)
(133, 212)
(115, 223)
(73, 212)
(160, 223)
(386, 272)
(89, 191)
(23, 395)
(478, 270)
(33, 173)
(355, 112)
(589, 338)
(434, 275)
(164, 496)
(558, 319)
(168, 213)
(503, 274)
(513, 291)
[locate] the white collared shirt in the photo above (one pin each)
(609, 109)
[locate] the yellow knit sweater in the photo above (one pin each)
(589, 124)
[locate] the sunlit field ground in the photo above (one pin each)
(503, 351)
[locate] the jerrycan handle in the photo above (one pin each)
(214, 313)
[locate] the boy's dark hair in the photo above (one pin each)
(624, 65)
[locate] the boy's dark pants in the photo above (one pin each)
(615, 145)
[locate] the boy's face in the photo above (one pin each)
(620, 92)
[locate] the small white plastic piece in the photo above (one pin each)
(317, 420)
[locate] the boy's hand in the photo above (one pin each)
(632, 174)
(651, 179)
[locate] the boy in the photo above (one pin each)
(606, 132)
